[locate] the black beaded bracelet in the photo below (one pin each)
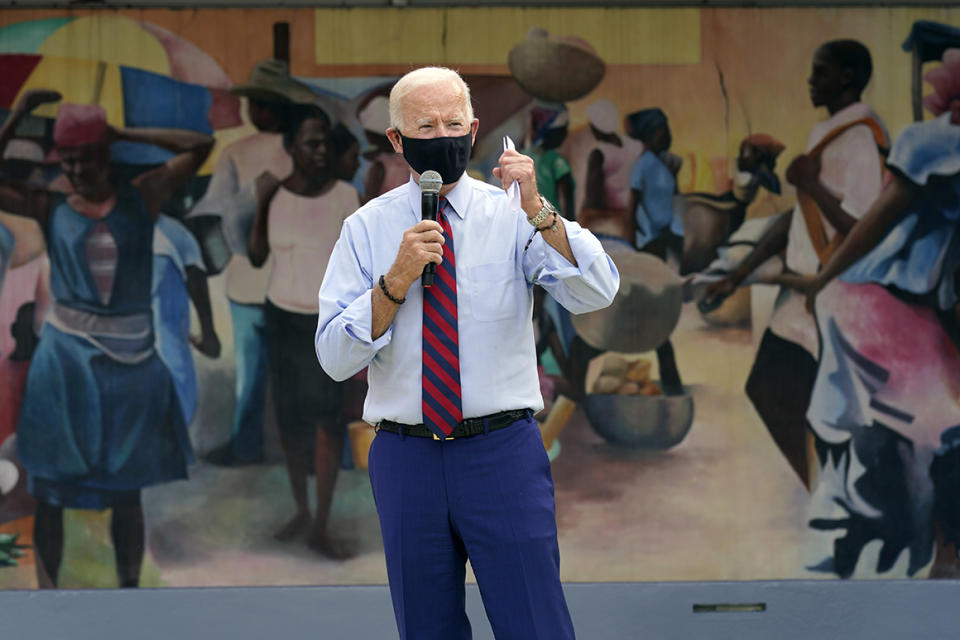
(553, 225)
(383, 287)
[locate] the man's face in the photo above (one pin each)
(434, 111)
(311, 147)
(87, 167)
(827, 79)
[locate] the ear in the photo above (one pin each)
(394, 136)
(474, 126)
(846, 76)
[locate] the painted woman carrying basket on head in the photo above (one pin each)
(100, 419)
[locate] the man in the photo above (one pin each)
(838, 179)
(457, 359)
(269, 93)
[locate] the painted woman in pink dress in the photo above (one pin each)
(886, 402)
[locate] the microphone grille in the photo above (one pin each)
(430, 181)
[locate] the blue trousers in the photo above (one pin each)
(250, 348)
(488, 498)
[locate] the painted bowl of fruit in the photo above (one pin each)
(628, 408)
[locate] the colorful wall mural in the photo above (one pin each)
(774, 395)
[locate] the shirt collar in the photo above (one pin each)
(458, 198)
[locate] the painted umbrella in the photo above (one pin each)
(142, 74)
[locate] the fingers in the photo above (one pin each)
(519, 168)
(426, 225)
(515, 165)
(421, 245)
(430, 241)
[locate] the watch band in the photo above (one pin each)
(545, 210)
(553, 224)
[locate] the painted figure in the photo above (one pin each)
(601, 159)
(837, 180)
(270, 92)
(710, 219)
(179, 278)
(25, 289)
(100, 420)
(548, 130)
(884, 403)
(652, 184)
(298, 222)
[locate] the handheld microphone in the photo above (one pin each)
(430, 183)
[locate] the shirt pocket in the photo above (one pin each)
(496, 290)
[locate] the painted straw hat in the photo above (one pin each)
(555, 68)
(270, 81)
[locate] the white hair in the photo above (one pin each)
(425, 77)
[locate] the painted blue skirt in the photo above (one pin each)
(92, 429)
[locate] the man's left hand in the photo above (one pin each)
(515, 166)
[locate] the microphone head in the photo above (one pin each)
(430, 182)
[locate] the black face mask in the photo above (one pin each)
(446, 156)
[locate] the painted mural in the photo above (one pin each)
(775, 393)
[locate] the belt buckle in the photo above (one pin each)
(439, 439)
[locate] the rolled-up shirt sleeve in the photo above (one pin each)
(343, 341)
(588, 286)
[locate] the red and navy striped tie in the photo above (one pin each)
(442, 409)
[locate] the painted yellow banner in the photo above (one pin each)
(484, 35)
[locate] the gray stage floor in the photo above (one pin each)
(610, 611)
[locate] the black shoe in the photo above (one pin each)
(224, 456)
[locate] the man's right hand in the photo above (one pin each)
(422, 244)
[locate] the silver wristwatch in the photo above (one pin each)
(545, 211)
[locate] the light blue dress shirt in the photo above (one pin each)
(495, 279)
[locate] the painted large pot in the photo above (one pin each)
(645, 310)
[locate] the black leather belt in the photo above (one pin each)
(467, 428)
